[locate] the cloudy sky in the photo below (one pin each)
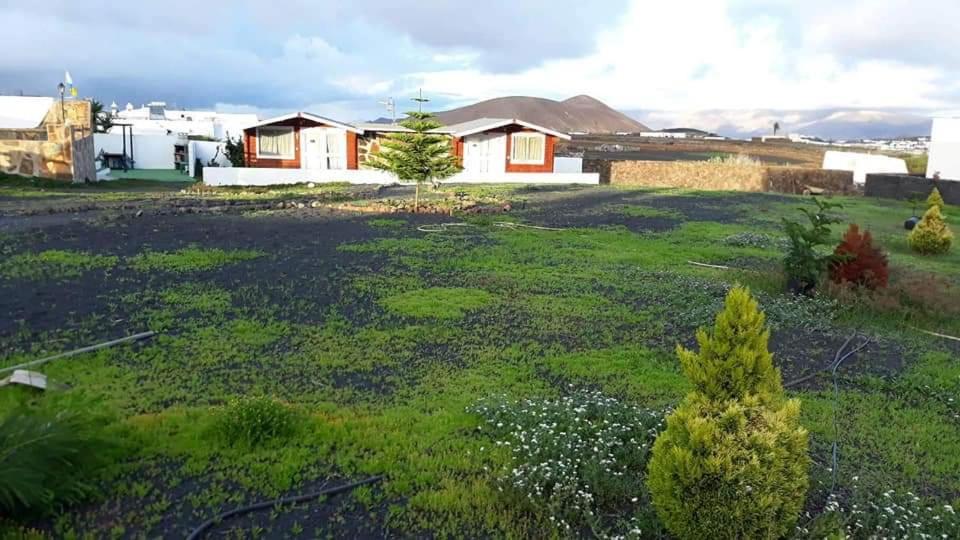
(706, 61)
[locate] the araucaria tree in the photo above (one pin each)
(733, 460)
(416, 155)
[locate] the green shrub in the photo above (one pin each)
(733, 461)
(54, 264)
(931, 236)
(254, 421)
(935, 199)
(804, 263)
(47, 461)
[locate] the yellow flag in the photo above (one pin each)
(73, 92)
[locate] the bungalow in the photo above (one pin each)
(486, 146)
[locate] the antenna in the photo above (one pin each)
(420, 100)
(391, 108)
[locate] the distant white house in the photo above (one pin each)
(155, 118)
(664, 134)
(944, 161)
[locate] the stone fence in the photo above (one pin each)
(719, 176)
(904, 187)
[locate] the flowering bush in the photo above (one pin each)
(579, 457)
(931, 236)
(757, 240)
(733, 461)
(891, 515)
(858, 262)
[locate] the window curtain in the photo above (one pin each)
(276, 142)
(528, 148)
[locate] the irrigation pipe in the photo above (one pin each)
(944, 336)
(206, 525)
(134, 337)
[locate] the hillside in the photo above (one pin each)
(577, 114)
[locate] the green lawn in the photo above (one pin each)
(380, 341)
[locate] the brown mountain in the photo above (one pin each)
(577, 114)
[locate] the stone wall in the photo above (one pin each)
(719, 176)
(366, 145)
(52, 149)
(903, 187)
(702, 175)
(796, 179)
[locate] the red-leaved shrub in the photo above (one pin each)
(858, 262)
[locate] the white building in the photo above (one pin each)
(155, 118)
(863, 164)
(944, 161)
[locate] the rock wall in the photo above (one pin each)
(57, 149)
(904, 187)
(719, 176)
(366, 145)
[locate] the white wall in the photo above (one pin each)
(149, 151)
(250, 176)
(945, 149)
(863, 164)
(567, 165)
(205, 151)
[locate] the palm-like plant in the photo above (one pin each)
(102, 122)
(45, 460)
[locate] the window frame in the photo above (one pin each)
(288, 129)
(531, 134)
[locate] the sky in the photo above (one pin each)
(734, 64)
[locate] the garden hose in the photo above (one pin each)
(206, 525)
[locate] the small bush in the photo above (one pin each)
(579, 457)
(931, 236)
(254, 421)
(804, 263)
(857, 261)
(47, 461)
(935, 199)
(733, 461)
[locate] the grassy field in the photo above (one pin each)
(370, 347)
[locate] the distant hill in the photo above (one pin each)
(577, 114)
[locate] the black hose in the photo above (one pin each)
(837, 360)
(206, 525)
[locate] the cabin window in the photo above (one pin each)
(275, 143)
(527, 148)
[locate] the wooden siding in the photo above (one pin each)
(548, 149)
(250, 146)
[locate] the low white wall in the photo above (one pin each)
(249, 176)
(205, 151)
(149, 151)
(863, 164)
(944, 157)
(567, 165)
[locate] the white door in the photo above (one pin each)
(485, 153)
(324, 148)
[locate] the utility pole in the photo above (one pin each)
(391, 108)
(420, 101)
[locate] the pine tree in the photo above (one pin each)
(857, 261)
(416, 155)
(931, 236)
(733, 460)
(935, 199)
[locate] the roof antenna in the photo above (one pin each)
(420, 101)
(391, 108)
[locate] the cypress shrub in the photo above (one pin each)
(931, 236)
(857, 261)
(935, 199)
(733, 460)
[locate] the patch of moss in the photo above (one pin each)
(190, 259)
(54, 264)
(437, 302)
